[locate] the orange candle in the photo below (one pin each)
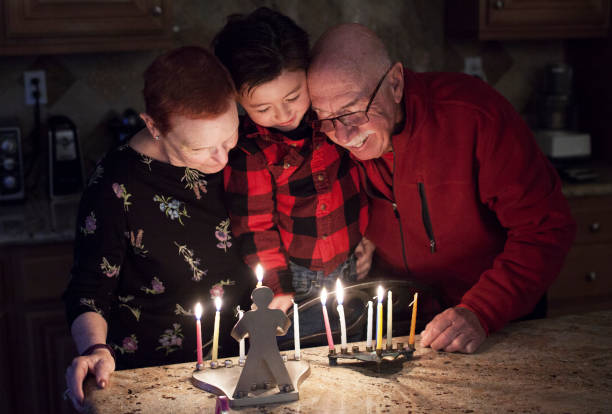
(413, 321)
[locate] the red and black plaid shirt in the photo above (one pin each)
(293, 199)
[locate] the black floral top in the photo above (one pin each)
(153, 240)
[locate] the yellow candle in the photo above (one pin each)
(413, 322)
(215, 348)
(379, 315)
(259, 273)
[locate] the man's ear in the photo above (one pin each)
(397, 82)
(150, 123)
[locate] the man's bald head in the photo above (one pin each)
(352, 49)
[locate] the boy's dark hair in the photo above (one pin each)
(257, 47)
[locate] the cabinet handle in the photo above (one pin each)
(498, 4)
(591, 276)
(594, 227)
(157, 11)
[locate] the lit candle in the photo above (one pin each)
(379, 314)
(242, 356)
(369, 332)
(389, 320)
(198, 315)
(340, 299)
(259, 273)
(296, 330)
(330, 340)
(215, 347)
(413, 322)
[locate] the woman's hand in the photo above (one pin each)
(282, 302)
(100, 364)
(364, 252)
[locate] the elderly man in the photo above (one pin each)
(461, 198)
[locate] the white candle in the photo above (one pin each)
(389, 319)
(369, 332)
(340, 299)
(215, 348)
(198, 315)
(259, 272)
(379, 321)
(296, 330)
(242, 356)
(330, 340)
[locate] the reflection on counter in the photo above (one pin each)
(38, 221)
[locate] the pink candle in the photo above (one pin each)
(330, 340)
(198, 315)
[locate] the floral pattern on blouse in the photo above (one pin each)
(124, 304)
(96, 175)
(172, 208)
(179, 310)
(222, 234)
(194, 264)
(146, 160)
(157, 287)
(91, 304)
(90, 224)
(172, 339)
(136, 242)
(194, 180)
(108, 269)
(217, 288)
(121, 192)
(130, 345)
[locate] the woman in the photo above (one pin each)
(153, 234)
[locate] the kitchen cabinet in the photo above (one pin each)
(585, 282)
(43, 26)
(38, 339)
(527, 19)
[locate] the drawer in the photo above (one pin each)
(593, 217)
(587, 272)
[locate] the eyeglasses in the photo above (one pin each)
(352, 118)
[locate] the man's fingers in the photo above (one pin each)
(434, 328)
(445, 338)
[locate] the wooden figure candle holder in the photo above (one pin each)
(371, 355)
(266, 377)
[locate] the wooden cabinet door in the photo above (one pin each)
(68, 26)
(528, 19)
(59, 18)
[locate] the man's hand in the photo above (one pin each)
(282, 302)
(364, 252)
(100, 364)
(454, 330)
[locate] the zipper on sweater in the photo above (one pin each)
(396, 212)
(426, 218)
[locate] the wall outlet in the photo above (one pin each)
(473, 66)
(30, 78)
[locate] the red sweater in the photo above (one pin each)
(479, 207)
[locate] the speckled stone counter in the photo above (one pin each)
(561, 365)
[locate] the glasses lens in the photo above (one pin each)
(354, 119)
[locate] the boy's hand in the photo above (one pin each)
(282, 302)
(364, 252)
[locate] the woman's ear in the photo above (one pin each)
(397, 82)
(150, 124)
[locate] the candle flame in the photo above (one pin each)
(218, 303)
(339, 292)
(259, 272)
(323, 296)
(381, 293)
(198, 311)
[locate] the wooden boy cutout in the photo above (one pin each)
(264, 364)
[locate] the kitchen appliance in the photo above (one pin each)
(65, 165)
(563, 145)
(12, 185)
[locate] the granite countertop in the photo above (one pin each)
(553, 365)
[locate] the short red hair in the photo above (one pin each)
(188, 81)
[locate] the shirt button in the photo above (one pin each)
(320, 177)
(318, 146)
(324, 237)
(286, 165)
(323, 206)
